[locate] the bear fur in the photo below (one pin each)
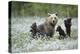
(33, 29)
(48, 27)
(61, 32)
(68, 24)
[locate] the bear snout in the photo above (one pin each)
(53, 21)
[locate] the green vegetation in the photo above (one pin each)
(41, 9)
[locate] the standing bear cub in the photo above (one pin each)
(48, 27)
(68, 24)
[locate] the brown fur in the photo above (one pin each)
(68, 23)
(33, 29)
(48, 27)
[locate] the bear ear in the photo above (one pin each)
(49, 14)
(56, 14)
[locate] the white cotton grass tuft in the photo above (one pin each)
(22, 41)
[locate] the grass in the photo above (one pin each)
(22, 42)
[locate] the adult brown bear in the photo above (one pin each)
(48, 27)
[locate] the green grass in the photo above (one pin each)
(22, 42)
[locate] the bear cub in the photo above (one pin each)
(33, 29)
(68, 24)
(61, 32)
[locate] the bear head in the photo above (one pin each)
(52, 18)
(58, 28)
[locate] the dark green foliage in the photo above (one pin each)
(23, 9)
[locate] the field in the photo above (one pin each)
(22, 42)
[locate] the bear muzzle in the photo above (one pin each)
(53, 21)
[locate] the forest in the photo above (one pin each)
(23, 9)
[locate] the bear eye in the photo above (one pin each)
(54, 17)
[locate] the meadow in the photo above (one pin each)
(21, 36)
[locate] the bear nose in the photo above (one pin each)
(53, 21)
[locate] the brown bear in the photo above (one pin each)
(48, 27)
(68, 24)
(61, 32)
(33, 29)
